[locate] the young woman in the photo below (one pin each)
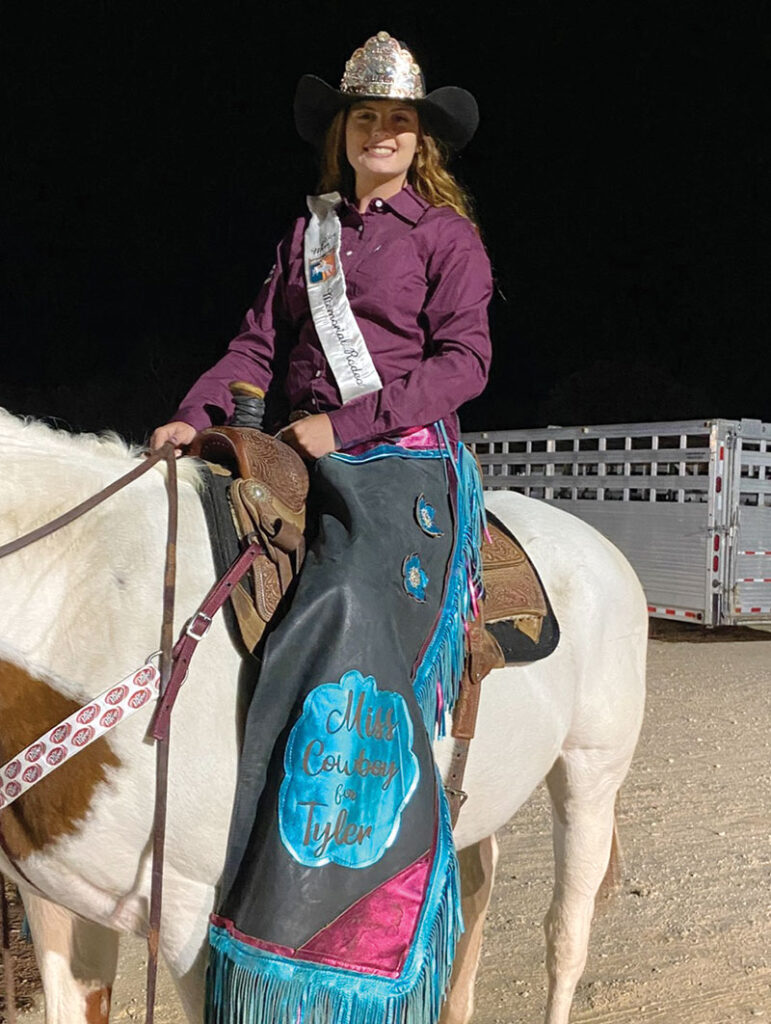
(340, 899)
(418, 278)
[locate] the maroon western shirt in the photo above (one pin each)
(418, 281)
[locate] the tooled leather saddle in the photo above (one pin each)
(267, 491)
(515, 624)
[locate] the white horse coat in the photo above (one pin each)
(82, 608)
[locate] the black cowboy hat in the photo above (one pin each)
(450, 113)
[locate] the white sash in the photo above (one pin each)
(339, 334)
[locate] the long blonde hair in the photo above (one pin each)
(428, 173)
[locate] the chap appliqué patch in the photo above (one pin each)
(414, 577)
(425, 516)
(350, 771)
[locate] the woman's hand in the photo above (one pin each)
(311, 437)
(179, 433)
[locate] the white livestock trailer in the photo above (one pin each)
(688, 503)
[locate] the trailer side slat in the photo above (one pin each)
(689, 503)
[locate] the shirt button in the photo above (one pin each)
(349, 252)
(360, 228)
(317, 373)
(378, 203)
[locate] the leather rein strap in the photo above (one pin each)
(162, 747)
(167, 636)
(174, 668)
(166, 452)
(5, 927)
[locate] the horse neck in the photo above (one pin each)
(84, 604)
(46, 472)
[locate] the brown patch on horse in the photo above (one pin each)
(98, 1006)
(56, 805)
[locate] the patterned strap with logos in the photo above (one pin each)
(76, 732)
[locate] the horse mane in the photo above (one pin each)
(24, 437)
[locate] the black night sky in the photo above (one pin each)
(150, 165)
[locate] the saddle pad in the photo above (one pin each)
(514, 589)
(225, 546)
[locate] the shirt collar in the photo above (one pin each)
(406, 204)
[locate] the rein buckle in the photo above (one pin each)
(205, 621)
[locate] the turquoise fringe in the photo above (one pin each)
(246, 985)
(442, 665)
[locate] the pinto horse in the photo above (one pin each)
(82, 609)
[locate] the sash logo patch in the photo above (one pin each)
(323, 268)
(350, 771)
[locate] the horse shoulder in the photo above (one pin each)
(57, 805)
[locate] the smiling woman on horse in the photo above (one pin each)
(339, 899)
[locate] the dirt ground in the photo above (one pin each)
(687, 940)
(25, 976)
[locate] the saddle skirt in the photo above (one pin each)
(512, 588)
(516, 610)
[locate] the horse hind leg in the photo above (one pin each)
(583, 785)
(77, 960)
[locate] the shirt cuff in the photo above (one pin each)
(350, 428)
(196, 417)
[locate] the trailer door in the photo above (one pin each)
(751, 528)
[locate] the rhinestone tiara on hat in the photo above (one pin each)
(383, 67)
